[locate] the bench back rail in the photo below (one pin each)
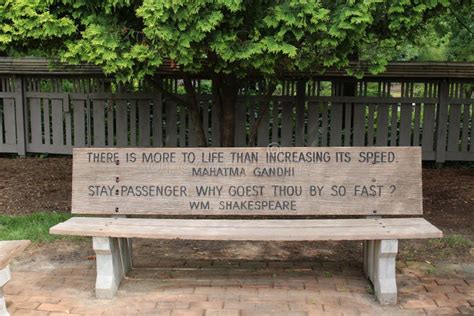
(247, 181)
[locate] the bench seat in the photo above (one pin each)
(8, 251)
(259, 229)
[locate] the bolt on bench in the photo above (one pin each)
(357, 184)
(9, 249)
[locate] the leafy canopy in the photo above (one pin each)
(131, 39)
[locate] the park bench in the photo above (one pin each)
(356, 186)
(8, 251)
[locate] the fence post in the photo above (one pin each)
(442, 121)
(20, 116)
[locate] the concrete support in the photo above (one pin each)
(380, 268)
(113, 256)
(5, 276)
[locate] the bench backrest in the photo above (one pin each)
(247, 181)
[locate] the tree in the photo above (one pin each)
(446, 37)
(230, 41)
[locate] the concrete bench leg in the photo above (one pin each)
(379, 264)
(4, 278)
(113, 256)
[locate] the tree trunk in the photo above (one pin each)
(194, 113)
(227, 90)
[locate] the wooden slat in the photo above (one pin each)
(370, 125)
(182, 115)
(144, 122)
(405, 125)
(35, 121)
(1, 121)
(347, 124)
(57, 117)
(215, 129)
(359, 125)
(394, 129)
(121, 123)
(9, 121)
(313, 124)
(157, 121)
(382, 125)
(428, 127)
(79, 123)
(300, 113)
(263, 130)
(416, 125)
(171, 124)
(465, 127)
(454, 127)
(324, 124)
(275, 111)
(240, 119)
(99, 120)
(9, 249)
(109, 109)
(336, 123)
(302, 230)
(286, 124)
(67, 122)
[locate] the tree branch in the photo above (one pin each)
(263, 109)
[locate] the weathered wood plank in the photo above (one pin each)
(382, 125)
(359, 125)
(313, 124)
(144, 122)
(427, 141)
(99, 120)
(336, 123)
(121, 123)
(405, 125)
(57, 117)
(171, 124)
(9, 121)
(345, 183)
(157, 121)
(454, 127)
(35, 121)
(240, 119)
(355, 229)
(287, 124)
(465, 127)
(79, 123)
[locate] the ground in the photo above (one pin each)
(240, 278)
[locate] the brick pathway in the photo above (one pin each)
(231, 288)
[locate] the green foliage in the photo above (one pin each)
(34, 227)
(131, 39)
(446, 37)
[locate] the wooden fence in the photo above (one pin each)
(53, 114)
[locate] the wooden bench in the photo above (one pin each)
(8, 251)
(359, 185)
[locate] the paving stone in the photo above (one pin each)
(228, 312)
(419, 303)
(441, 311)
(53, 308)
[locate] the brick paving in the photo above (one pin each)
(235, 288)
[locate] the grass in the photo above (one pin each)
(452, 241)
(34, 227)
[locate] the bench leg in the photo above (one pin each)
(382, 271)
(113, 256)
(4, 278)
